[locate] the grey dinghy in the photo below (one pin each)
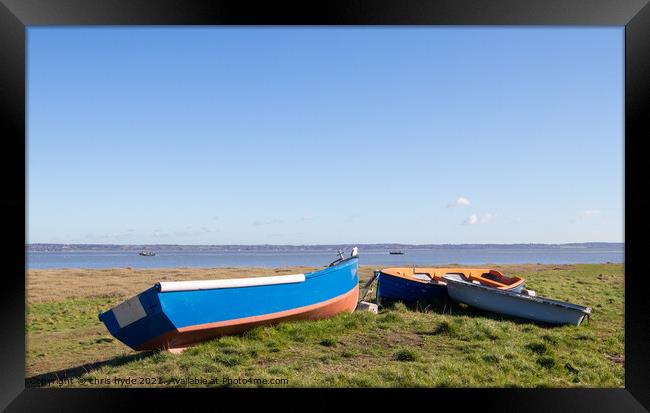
(514, 304)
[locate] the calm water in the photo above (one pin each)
(379, 257)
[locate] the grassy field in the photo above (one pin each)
(397, 347)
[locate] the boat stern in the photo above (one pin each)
(137, 320)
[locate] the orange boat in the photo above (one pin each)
(424, 284)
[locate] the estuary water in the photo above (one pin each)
(379, 256)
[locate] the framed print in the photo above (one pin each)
(362, 198)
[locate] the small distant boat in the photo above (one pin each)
(396, 252)
(513, 303)
(147, 253)
(176, 314)
(427, 284)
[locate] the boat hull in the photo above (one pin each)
(391, 288)
(187, 335)
(163, 319)
(514, 304)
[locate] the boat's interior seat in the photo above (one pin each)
(492, 277)
(422, 276)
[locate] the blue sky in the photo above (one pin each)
(325, 135)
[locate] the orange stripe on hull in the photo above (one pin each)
(185, 336)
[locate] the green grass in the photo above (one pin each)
(66, 314)
(398, 347)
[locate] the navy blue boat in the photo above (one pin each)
(408, 286)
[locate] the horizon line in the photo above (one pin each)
(328, 244)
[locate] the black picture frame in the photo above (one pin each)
(17, 15)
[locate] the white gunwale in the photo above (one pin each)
(169, 286)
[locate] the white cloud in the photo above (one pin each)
(286, 234)
(586, 214)
(459, 202)
(589, 212)
(261, 222)
(471, 220)
(479, 219)
(187, 232)
(110, 237)
(488, 218)
(352, 217)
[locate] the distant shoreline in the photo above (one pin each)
(53, 247)
(267, 268)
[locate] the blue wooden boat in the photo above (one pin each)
(175, 314)
(512, 303)
(408, 285)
